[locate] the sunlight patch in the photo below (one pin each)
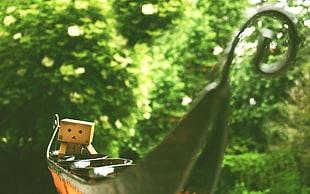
(75, 31)
(186, 100)
(17, 36)
(47, 62)
(148, 9)
(8, 20)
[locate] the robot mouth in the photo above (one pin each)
(73, 137)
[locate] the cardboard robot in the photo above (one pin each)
(75, 137)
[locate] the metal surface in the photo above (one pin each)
(195, 148)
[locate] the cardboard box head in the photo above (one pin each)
(75, 131)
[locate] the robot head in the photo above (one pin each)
(75, 131)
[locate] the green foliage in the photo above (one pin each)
(139, 20)
(297, 108)
(64, 57)
(255, 99)
(164, 95)
(182, 59)
(259, 100)
(261, 173)
(197, 42)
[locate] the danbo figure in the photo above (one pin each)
(75, 136)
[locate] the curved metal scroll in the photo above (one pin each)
(263, 44)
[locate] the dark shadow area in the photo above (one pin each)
(25, 174)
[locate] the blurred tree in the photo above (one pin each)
(139, 20)
(64, 57)
(182, 59)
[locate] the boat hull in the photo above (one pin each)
(68, 183)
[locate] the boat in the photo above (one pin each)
(196, 144)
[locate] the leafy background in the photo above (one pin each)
(133, 67)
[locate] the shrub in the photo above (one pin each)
(260, 173)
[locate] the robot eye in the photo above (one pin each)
(69, 130)
(80, 131)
